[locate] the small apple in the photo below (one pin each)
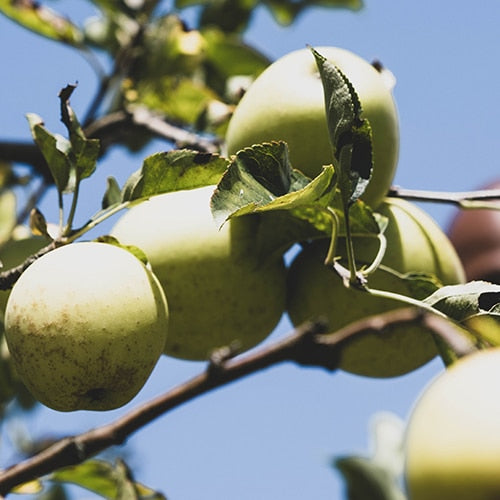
(218, 291)
(85, 325)
(414, 244)
(452, 447)
(286, 102)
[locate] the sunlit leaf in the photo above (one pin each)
(8, 216)
(29, 488)
(41, 20)
(231, 56)
(173, 171)
(181, 99)
(111, 481)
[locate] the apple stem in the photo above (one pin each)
(330, 257)
(353, 279)
(72, 211)
(447, 350)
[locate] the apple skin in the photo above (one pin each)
(415, 243)
(217, 291)
(452, 444)
(85, 325)
(286, 102)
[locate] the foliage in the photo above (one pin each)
(181, 83)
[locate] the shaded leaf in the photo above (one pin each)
(367, 479)
(260, 178)
(235, 15)
(173, 171)
(112, 195)
(461, 302)
(84, 152)
(42, 20)
(350, 134)
(55, 149)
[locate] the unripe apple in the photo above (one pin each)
(218, 290)
(453, 437)
(286, 102)
(415, 243)
(85, 325)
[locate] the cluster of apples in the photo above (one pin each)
(86, 323)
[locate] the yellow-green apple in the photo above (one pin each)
(286, 102)
(415, 243)
(218, 290)
(452, 447)
(85, 325)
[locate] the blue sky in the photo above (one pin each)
(272, 435)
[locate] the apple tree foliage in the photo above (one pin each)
(180, 83)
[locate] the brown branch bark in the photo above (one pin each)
(308, 345)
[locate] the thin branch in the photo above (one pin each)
(484, 198)
(308, 345)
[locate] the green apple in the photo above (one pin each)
(452, 448)
(85, 325)
(15, 252)
(286, 102)
(218, 291)
(415, 243)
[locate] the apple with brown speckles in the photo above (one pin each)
(85, 325)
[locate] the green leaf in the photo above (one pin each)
(55, 149)
(84, 152)
(135, 251)
(285, 12)
(111, 481)
(350, 134)
(8, 216)
(173, 171)
(113, 194)
(366, 479)
(260, 180)
(260, 176)
(462, 302)
(42, 20)
(234, 15)
(230, 56)
(179, 98)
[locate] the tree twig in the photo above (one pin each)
(307, 345)
(483, 198)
